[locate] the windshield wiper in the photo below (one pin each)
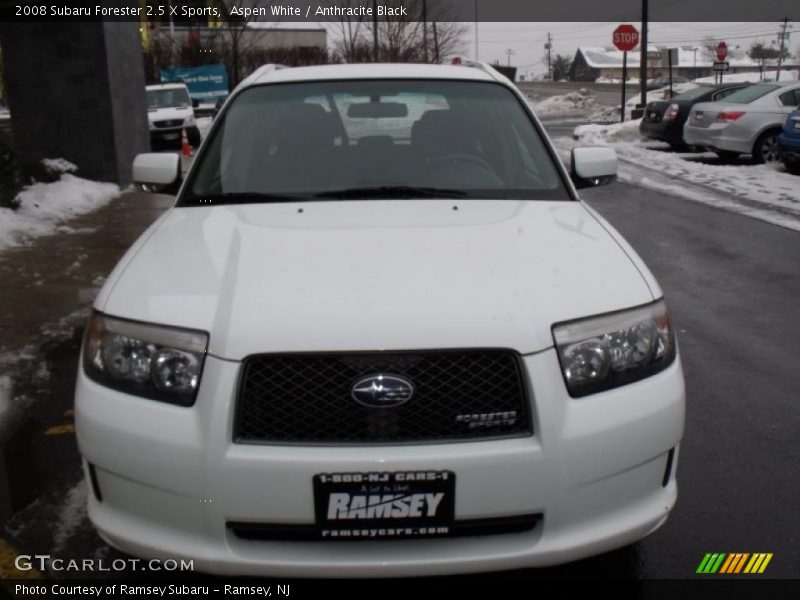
(244, 198)
(392, 191)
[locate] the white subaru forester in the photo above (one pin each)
(379, 334)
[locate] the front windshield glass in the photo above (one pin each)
(168, 98)
(361, 139)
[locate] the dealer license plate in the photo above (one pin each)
(171, 136)
(384, 505)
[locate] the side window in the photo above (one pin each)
(790, 98)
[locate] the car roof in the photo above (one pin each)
(468, 70)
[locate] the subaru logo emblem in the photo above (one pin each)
(382, 391)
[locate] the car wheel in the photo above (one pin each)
(727, 154)
(765, 149)
(193, 135)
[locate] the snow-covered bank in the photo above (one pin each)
(564, 106)
(43, 206)
(763, 192)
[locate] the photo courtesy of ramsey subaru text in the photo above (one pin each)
(379, 334)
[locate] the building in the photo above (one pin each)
(605, 64)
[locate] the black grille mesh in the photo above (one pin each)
(307, 397)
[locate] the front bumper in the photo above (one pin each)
(171, 479)
(665, 131)
(719, 136)
(789, 147)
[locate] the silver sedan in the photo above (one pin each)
(747, 122)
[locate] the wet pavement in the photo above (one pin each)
(732, 284)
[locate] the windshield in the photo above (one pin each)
(693, 94)
(749, 94)
(384, 139)
(168, 98)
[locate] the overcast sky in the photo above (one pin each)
(527, 39)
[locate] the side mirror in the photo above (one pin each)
(593, 166)
(159, 171)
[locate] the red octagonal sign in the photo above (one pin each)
(722, 51)
(626, 38)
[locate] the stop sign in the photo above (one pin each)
(625, 38)
(722, 51)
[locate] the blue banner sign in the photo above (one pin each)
(206, 83)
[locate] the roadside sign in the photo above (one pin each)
(721, 66)
(722, 51)
(669, 57)
(625, 38)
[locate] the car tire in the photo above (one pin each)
(766, 147)
(193, 134)
(727, 154)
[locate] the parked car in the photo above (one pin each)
(789, 143)
(169, 112)
(663, 81)
(664, 119)
(748, 121)
(379, 309)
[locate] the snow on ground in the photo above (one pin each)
(72, 515)
(204, 125)
(43, 206)
(572, 104)
(764, 192)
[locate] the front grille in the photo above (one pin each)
(306, 398)
(168, 123)
(274, 532)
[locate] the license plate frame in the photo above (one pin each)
(384, 504)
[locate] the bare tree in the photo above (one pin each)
(410, 39)
(350, 42)
(240, 36)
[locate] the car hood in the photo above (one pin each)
(374, 275)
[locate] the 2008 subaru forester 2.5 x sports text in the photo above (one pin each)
(379, 310)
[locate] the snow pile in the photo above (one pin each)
(572, 104)
(58, 166)
(42, 206)
(603, 135)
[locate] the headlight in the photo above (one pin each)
(610, 350)
(162, 363)
(188, 122)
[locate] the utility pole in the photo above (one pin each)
(783, 41)
(509, 52)
(643, 57)
(549, 46)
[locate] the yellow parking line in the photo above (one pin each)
(61, 429)
(7, 569)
